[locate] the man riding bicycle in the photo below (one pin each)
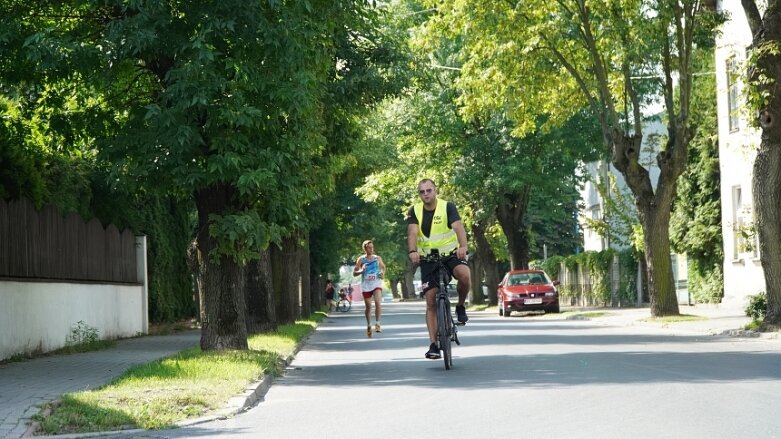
(435, 224)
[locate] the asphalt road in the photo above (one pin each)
(525, 377)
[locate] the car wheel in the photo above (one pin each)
(554, 308)
(507, 312)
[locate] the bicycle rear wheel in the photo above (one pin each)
(443, 311)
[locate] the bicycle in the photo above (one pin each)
(447, 330)
(343, 304)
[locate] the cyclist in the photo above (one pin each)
(329, 294)
(435, 224)
(371, 269)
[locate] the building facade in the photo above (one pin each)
(743, 275)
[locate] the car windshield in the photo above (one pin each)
(527, 279)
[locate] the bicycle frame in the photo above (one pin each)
(446, 326)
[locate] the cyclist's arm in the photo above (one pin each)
(458, 227)
(412, 243)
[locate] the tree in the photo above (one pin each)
(764, 77)
(221, 102)
(544, 57)
(695, 225)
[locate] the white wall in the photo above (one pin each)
(38, 316)
(743, 275)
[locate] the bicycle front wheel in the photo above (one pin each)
(443, 312)
(344, 305)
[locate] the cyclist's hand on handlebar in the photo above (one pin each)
(461, 252)
(414, 257)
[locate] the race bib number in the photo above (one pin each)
(371, 277)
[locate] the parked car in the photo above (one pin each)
(527, 290)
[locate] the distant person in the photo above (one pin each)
(371, 269)
(329, 294)
(434, 224)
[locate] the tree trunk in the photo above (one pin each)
(510, 215)
(194, 263)
(285, 276)
(222, 278)
(261, 315)
(664, 302)
(304, 275)
(654, 209)
(488, 265)
(318, 286)
(766, 183)
(766, 190)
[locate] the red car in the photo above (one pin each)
(527, 290)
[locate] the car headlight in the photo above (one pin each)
(550, 294)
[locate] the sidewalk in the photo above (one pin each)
(717, 320)
(26, 385)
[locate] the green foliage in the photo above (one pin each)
(757, 306)
(706, 284)
(599, 267)
(695, 224)
(81, 334)
(627, 265)
(551, 266)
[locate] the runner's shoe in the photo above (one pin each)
(369, 331)
(461, 314)
(433, 352)
(377, 328)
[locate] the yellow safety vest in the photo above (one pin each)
(441, 236)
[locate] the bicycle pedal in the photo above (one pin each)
(460, 323)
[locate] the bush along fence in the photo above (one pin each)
(605, 278)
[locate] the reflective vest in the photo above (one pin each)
(441, 236)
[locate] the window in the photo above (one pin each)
(732, 96)
(737, 222)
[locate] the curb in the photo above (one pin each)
(750, 334)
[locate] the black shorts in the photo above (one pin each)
(428, 272)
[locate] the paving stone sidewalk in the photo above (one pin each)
(26, 385)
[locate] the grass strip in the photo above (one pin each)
(187, 385)
(674, 319)
(592, 314)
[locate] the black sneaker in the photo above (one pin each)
(461, 314)
(433, 352)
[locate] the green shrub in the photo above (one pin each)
(757, 306)
(81, 334)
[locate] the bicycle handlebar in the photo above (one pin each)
(437, 257)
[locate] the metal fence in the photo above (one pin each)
(43, 244)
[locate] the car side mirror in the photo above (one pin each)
(556, 283)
